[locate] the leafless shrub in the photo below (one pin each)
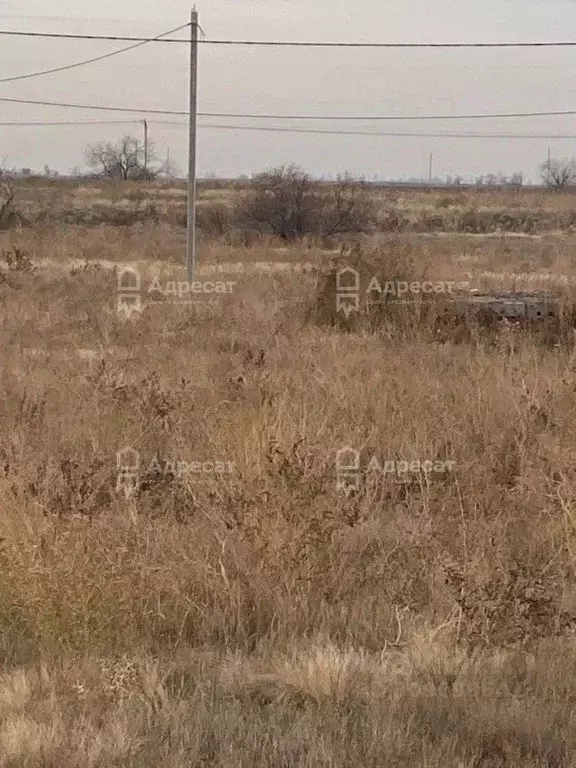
(513, 605)
(289, 203)
(9, 216)
(375, 268)
(348, 206)
(18, 260)
(280, 202)
(214, 219)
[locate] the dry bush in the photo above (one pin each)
(288, 203)
(214, 219)
(380, 304)
(391, 220)
(9, 216)
(377, 309)
(18, 260)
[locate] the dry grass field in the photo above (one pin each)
(239, 608)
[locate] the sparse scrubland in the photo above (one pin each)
(247, 611)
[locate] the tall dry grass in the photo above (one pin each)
(261, 616)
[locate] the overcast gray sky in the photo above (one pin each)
(301, 81)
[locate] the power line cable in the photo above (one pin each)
(115, 38)
(364, 118)
(45, 123)
(93, 107)
(312, 131)
(30, 17)
(438, 135)
(294, 43)
(388, 117)
(91, 61)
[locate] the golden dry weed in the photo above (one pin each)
(239, 608)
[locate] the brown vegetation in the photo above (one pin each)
(260, 615)
(287, 203)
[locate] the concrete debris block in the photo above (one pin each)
(511, 305)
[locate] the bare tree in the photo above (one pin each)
(517, 179)
(124, 159)
(558, 174)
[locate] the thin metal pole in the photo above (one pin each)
(191, 239)
(431, 159)
(145, 145)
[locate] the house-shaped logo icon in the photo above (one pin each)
(348, 460)
(129, 299)
(348, 473)
(347, 291)
(128, 460)
(347, 280)
(128, 465)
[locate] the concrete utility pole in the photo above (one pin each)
(145, 144)
(136, 155)
(191, 244)
(431, 159)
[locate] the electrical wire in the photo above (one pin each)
(312, 131)
(30, 17)
(90, 61)
(321, 132)
(115, 38)
(295, 43)
(365, 118)
(93, 107)
(47, 123)
(389, 117)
